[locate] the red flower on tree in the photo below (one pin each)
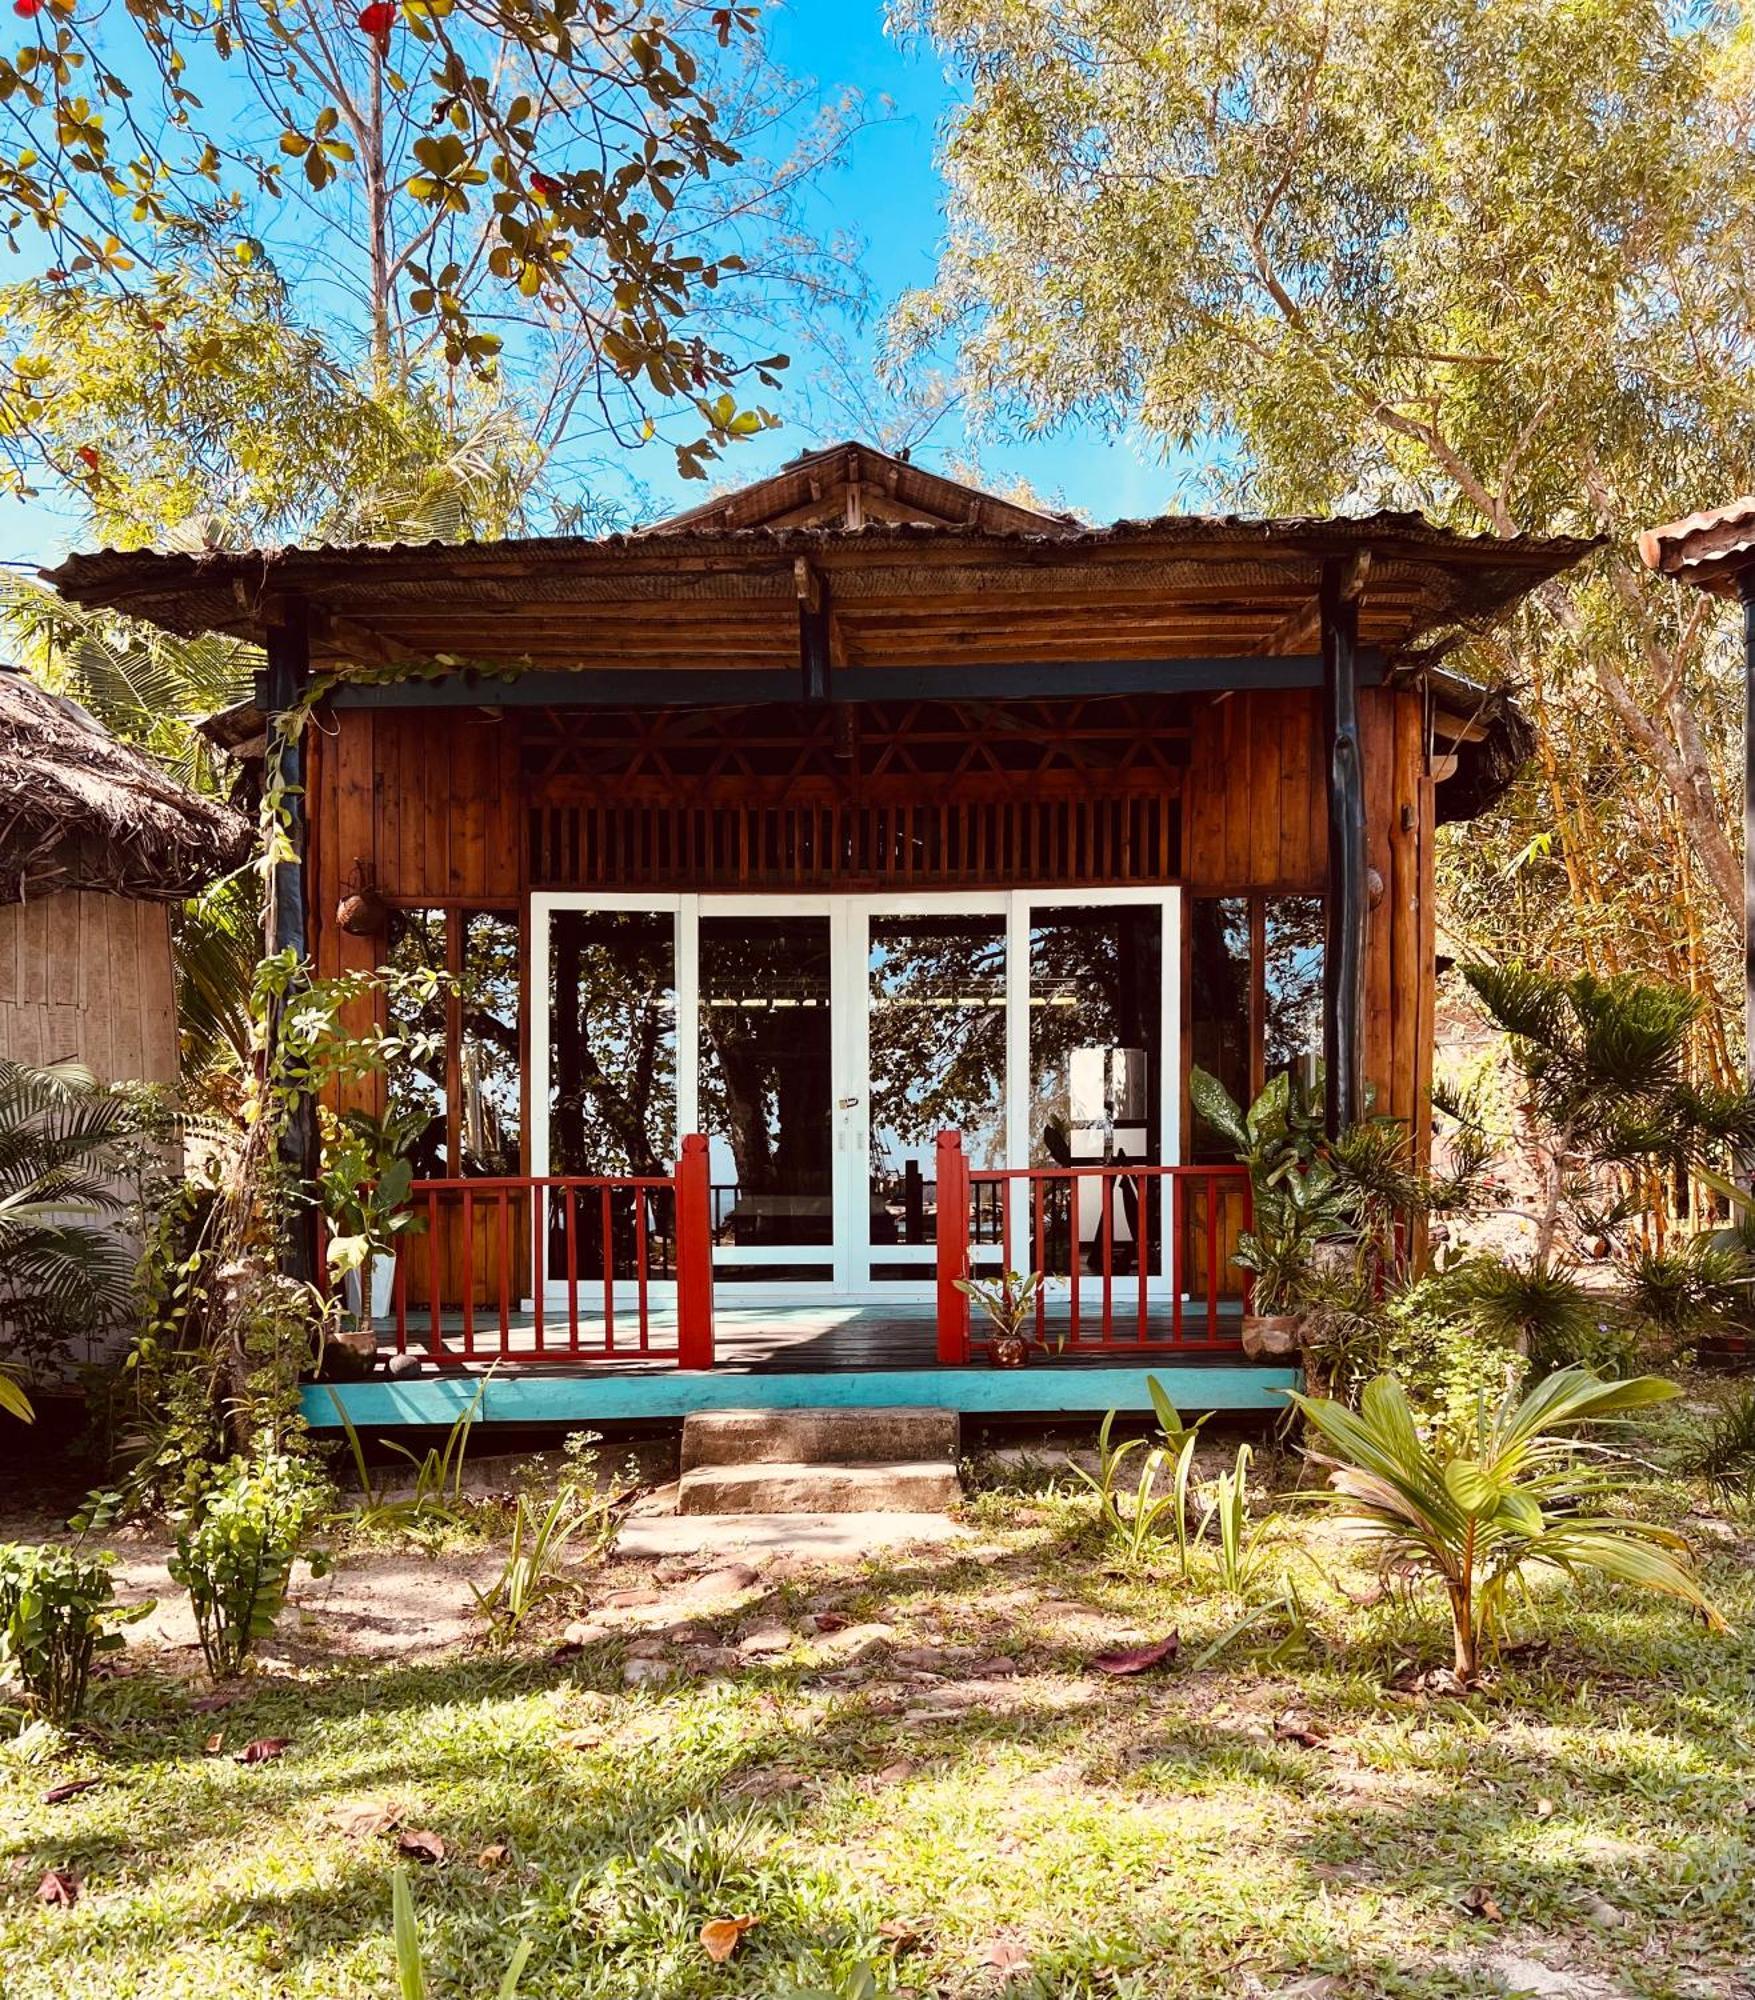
(25, 9)
(376, 21)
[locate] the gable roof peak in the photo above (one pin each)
(852, 485)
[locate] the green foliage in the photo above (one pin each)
(438, 1473)
(1225, 1504)
(410, 1965)
(509, 167)
(1133, 1522)
(235, 1551)
(1298, 1196)
(1324, 252)
(61, 1140)
(1475, 1513)
(541, 1536)
(1009, 1301)
(58, 1611)
(1724, 1455)
(1686, 1290)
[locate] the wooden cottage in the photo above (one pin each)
(96, 846)
(836, 883)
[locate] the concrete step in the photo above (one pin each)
(818, 1437)
(894, 1486)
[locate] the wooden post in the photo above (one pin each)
(813, 632)
(694, 1256)
(1746, 591)
(953, 1250)
(1343, 971)
(285, 919)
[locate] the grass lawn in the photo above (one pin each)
(959, 1804)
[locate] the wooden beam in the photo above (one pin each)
(1347, 905)
(648, 685)
(286, 927)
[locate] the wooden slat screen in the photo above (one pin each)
(1086, 842)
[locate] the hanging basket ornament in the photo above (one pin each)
(362, 912)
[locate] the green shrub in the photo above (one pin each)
(58, 1611)
(1476, 1512)
(236, 1548)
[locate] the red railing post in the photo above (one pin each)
(694, 1256)
(952, 1233)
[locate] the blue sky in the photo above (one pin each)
(887, 192)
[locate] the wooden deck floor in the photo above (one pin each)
(823, 1339)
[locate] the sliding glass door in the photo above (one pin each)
(823, 1042)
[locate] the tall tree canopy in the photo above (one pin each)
(583, 182)
(1497, 261)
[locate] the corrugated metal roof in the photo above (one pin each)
(1711, 548)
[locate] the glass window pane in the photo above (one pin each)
(612, 1063)
(766, 1086)
(1218, 1007)
(415, 1085)
(937, 1023)
(489, 1115)
(1096, 1053)
(1292, 959)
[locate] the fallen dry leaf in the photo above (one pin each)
(1544, 1809)
(214, 1744)
(1294, 1728)
(580, 1739)
(900, 1934)
(264, 1749)
(720, 1936)
(1007, 1956)
(493, 1856)
(893, 1773)
(369, 1822)
(209, 1704)
(420, 1845)
(1139, 1659)
(71, 1789)
(1480, 1902)
(58, 1889)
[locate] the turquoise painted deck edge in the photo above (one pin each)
(576, 1399)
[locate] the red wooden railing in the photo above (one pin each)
(631, 1255)
(1108, 1290)
(631, 1258)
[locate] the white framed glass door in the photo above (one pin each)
(823, 1042)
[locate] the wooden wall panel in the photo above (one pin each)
(90, 977)
(1255, 818)
(1253, 809)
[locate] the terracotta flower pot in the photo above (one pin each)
(1271, 1336)
(1009, 1351)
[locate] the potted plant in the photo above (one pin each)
(365, 1185)
(1300, 1204)
(1009, 1301)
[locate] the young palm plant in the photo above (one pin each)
(65, 1270)
(1527, 1494)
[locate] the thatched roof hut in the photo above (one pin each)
(81, 811)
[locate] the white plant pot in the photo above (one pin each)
(380, 1273)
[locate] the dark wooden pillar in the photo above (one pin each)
(1746, 591)
(285, 920)
(813, 632)
(1343, 974)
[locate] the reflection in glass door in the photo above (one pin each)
(935, 992)
(613, 1084)
(766, 1094)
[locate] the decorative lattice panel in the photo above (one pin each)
(903, 795)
